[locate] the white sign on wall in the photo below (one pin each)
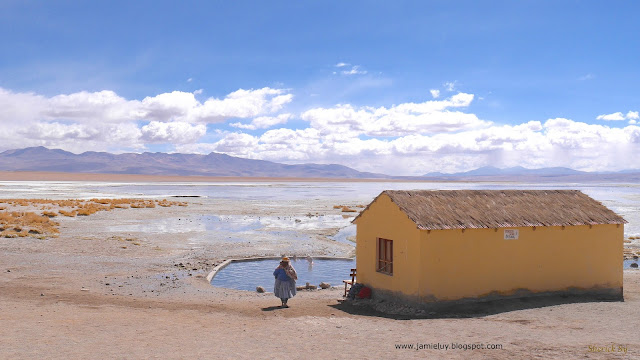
(511, 234)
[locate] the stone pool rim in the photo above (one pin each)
(226, 262)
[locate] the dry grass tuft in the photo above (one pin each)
(67, 213)
(21, 224)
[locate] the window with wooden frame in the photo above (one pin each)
(385, 256)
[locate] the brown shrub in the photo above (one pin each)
(67, 213)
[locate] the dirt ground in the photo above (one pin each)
(90, 293)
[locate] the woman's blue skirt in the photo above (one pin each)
(284, 289)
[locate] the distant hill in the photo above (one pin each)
(516, 170)
(214, 164)
(519, 173)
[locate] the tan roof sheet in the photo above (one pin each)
(460, 209)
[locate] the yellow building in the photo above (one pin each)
(456, 245)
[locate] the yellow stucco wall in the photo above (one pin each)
(478, 262)
(441, 265)
(384, 219)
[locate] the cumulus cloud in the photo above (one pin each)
(74, 137)
(555, 142)
(435, 93)
(172, 132)
(440, 134)
(263, 122)
(107, 106)
(399, 120)
(105, 120)
(183, 106)
(619, 116)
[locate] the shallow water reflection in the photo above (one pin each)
(247, 275)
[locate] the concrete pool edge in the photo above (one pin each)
(226, 262)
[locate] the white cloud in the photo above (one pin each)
(104, 120)
(263, 122)
(189, 79)
(408, 118)
(611, 117)
(237, 144)
(172, 132)
(58, 131)
(74, 137)
(101, 106)
(450, 86)
(435, 93)
(619, 116)
(355, 70)
(349, 70)
(556, 142)
(586, 77)
(107, 106)
(404, 139)
(198, 92)
(182, 106)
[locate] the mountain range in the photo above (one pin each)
(215, 164)
(519, 173)
(516, 170)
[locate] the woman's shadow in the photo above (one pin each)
(271, 308)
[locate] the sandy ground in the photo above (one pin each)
(92, 294)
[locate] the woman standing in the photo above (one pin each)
(285, 286)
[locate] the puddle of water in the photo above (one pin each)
(346, 235)
(245, 228)
(247, 275)
(159, 226)
(627, 264)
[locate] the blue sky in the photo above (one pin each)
(403, 87)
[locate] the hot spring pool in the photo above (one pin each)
(248, 274)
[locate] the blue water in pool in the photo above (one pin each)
(247, 275)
